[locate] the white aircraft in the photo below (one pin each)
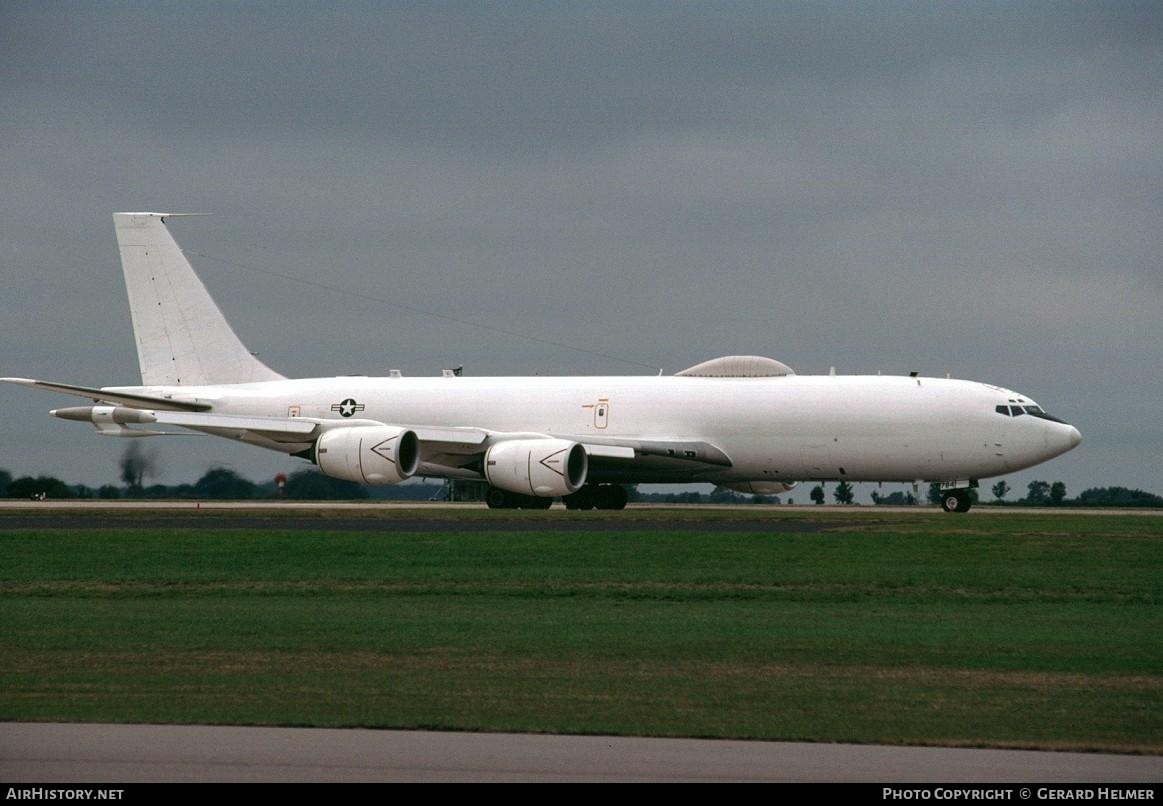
(744, 422)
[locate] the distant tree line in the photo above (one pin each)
(216, 484)
(1038, 494)
(310, 485)
(1043, 493)
(1117, 497)
(720, 495)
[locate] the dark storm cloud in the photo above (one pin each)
(537, 76)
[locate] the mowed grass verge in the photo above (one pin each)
(1025, 631)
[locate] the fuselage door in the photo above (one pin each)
(602, 413)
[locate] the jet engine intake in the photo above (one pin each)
(372, 454)
(540, 467)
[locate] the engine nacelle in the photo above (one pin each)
(371, 454)
(538, 467)
(762, 487)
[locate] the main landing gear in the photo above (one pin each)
(497, 498)
(592, 496)
(597, 496)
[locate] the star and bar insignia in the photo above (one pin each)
(348, 407)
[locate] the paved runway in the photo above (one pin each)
(412, 516)
(375, 517)
(64, 753)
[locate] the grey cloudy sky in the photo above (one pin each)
(964, 188)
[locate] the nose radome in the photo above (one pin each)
(1075, 437)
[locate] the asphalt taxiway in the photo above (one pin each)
(63, 753)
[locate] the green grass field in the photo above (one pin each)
(1023, 631)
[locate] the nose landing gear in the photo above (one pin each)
(956, 500)
(956, 496)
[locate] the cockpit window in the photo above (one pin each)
(1036, 411)
(1033, 411)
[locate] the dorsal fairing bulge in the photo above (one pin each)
(738, 366)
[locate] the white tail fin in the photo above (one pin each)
(182, 336)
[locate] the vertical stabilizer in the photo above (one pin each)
(182, 336)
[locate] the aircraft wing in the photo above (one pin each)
(445, 451)
(456, 453)
(113, 396)
(448, 454)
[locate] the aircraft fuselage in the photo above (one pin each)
(791, 428)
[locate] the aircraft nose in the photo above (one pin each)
(1059, 438)
(1062, 438)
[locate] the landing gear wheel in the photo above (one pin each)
(582, 499)
(610, 496)
(956, 501)
(597, 496)
(497, 498)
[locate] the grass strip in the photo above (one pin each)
(1035, 631)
